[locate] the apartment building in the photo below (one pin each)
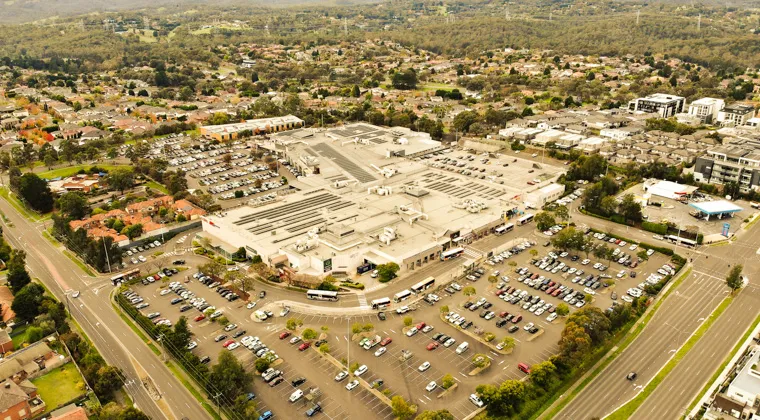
(706, 109)
(664, 105)
(735, 115)
(739, 162)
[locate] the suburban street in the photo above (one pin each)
(679, 316)
(117, 343)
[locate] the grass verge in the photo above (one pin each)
(50, 238)
(20, 207)
(79, 263)
(156, 186)
(723, 365)
(137, 330)
(629, 338)
(18, 336)
(627, 410)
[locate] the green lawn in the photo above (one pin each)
(59, 386)
(156, 186)
(72, 170)
(79, 263)
(19, 336)
(435, 86)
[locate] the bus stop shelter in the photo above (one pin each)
(719, 208)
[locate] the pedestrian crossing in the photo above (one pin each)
(362, 301)
(472, 253)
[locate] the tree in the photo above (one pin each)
(26, 302)
(464, 120)
(179, 337)
(121, 179)
(228, 376)
(479, 360)
(245, 408)
(108, 381)
(408, 321)
(569, 239)
(212, 268)
(324, 348)
(35, 192)
(734, 279)
(562, 309)
(262, 364)
(17, 277)
(509, 343)
(630, 208)
(387, 272)
(542, 374)
(309, 334)
(133, 231)
(435, 415)
(293, 323)
(562, 213)
(402, 409)
(73, 205)
(544, 220)
(468, 291)
(447, 381)
(404, 79)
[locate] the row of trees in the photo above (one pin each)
(100, 253)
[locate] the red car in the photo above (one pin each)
(432, 346)
(200, 317)
(284, 335)
(503, 314)
(500, 292)
(227, 343)
(516, 319)
(386, 341)
(304, 346)
(420, 326)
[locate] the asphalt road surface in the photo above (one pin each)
(679, 316)
(117, 343)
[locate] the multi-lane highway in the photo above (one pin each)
(679, 316)
(162, 396)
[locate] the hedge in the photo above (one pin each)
(352, 285)
(659, 228)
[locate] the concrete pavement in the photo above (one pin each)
(117, 343)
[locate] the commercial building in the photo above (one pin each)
(364, 202)
(546, 194)
(662, 104)
(668, 189)
(259, 126)
(718, 208)
(736, 114)
(706, 109)
(738, 162)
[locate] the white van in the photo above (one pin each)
(296, 395)
(462, 347)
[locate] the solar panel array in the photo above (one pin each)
(347, 165)
(450, 185)
(298, 216)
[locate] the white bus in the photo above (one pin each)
(381, 303)
(681, 241)
(452, 253)
(423, 285)
(504, 229)
(402, 295)
(322, 295)
(525, 219)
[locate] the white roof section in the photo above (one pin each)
(668, 189)
(716, 207)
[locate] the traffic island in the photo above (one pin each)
(539, 333)
(448, 391)
(479, 370)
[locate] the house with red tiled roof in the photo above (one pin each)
(187, 209)
(150, 207)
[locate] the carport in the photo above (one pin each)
(720, 208)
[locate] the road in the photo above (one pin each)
(679, 316)
(671, 398)
(117, 343)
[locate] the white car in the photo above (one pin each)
(528, 326)
(476, 400)
(295, 339)
(551, 317)
(402, 310)
(650, 252)
(141, 258)
(456, 286)
(353, 384)
(431, 386)
(412, 332)
(423, 367)
(233, 346)
(380, 351)
(341, 375)
(165, 292)
(192, 345)
(627, 298)
(428, 328)
(250, 305)
(362, 370)
(633, 247)
(450, 342)
(296, 395)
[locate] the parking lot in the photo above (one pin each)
(404, 377)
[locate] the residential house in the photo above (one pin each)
(6, 343)
(69, 412)
(19, 401)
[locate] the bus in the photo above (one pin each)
(322, 295)
(504, 229)
(681, 241)
(452, 253)
(121, 278)
(423, 285)
(402, 295)
(381, 303)
(525, 219)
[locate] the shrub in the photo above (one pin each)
(352, 285)
(659, 228)
(489, 336)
